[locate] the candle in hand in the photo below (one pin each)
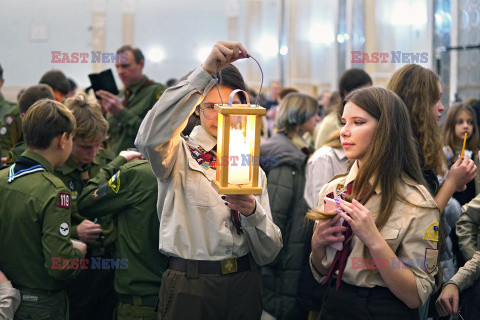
(464, 142)
(239, 151)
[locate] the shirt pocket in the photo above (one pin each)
(391, 234)
(198, 189)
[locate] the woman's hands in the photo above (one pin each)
(361, 221)
(224, 53)
(243, 203)
(324, 233)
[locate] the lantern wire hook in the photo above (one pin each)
(216, 74)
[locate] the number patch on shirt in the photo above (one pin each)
(64, 200)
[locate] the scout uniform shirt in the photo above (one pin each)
(75, 177)
(411, 232)
(16, 152)
(467, 275)
(35, 225)
(131, 195)
(123, 128)
(468, 228)
(194, 221)
(10, 125)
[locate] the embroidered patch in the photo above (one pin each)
(71, 185)
(3, 130)
(64, 229)
(431, 234)
(430, 261)
(8, 120)
(114, 182)
(64, 200)
(100, 191)
(74, 195)
(30, 298)
(340, 188)
(159, 93)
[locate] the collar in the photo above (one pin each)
(203, 138)
(70, 166)
(134, 88)
(38, 158)
(352, 174)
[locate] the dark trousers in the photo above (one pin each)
(235, 296)
(39, 304)
(470, 309)
(352, 303)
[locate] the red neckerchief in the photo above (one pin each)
(341, 257)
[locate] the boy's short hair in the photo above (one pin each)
(91, 124)
(57, 80)
(32, 94)
(44, 121)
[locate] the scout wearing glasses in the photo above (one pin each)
(213, 254)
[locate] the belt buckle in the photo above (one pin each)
(228, 265)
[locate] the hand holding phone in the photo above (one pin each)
(331, 206)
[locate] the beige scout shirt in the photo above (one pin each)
(9, 300)
(468, 228)
(323, 165)
(468, 274)
(409, 232)
(194, 221)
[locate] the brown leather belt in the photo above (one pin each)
(232, 265)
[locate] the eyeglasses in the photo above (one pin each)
(209, 112)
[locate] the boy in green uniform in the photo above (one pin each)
(35, 246)
(139, 95)
(5, 107)
(130, 194)
(31, 95)
(91, 294)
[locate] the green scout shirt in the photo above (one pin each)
(131, 194)
(71, 174)
(10, 125)
(123, 128)
(16, 152)
(35, 228)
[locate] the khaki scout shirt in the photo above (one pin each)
(468, 228)
(130, 194)
(468, 274)
(123, 128)
(9, 300)
(194, 221)
(409, 232)
(35, 229)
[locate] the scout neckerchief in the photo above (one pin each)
(128, 93)
(209, 160)
(24, 166)
(341, 257)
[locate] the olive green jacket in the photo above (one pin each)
(131, 195)
(10, 126)
(124, 127)
(35, 228)
(71, 175)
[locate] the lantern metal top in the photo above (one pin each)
(240, 108)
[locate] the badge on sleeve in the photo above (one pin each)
(100, 192)
(64, 229)
(64, 200)
(431, 234)
(114, 182)
(430, 261)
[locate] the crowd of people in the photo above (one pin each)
(107, 210)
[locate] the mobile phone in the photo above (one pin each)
(331, 206)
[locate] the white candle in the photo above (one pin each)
(238, 167)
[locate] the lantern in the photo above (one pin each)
(238, 147)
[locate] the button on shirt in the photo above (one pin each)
(192, 214)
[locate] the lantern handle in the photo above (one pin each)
(234, 92)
